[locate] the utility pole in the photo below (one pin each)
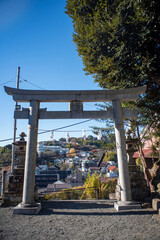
(15, 125)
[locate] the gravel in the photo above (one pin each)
(69, 220)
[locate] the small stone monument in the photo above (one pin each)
(13, 193)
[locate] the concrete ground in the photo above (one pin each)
(72, 220)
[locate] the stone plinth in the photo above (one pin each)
(126, 205)
(27, 209)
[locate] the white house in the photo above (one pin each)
(41, 148)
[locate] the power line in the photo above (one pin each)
(25, 80)
(9, 139)
(67, 130)
(71, 125)
(6, 82)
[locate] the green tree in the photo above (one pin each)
(5, 155)
(120, 46)
(6, 149)
(94, 183)
(62, 139)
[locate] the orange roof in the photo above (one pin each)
(112, 168)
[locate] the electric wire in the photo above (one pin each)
(71, 125)
(7, 82)
(25, 80)
(67, 130)
(46, 131)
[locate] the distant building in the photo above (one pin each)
(71, 181)
(84, 154)
(75, 179)
(43, 178)
(112, 172)
(93, 170)
(41, 168)
(58, 186)
(149, 157)
(87, 164)
(41, 148)
(76, 160)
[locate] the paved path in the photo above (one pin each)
(77, 220)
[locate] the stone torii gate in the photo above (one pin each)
(76, 99)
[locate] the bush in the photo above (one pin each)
(92, 189)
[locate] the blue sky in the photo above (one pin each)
(37, 36)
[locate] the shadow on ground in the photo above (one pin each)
(86, 209)
(76, 204)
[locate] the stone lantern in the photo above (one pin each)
(13, 193)
(131, 149)
(20, 150)
(139, 189)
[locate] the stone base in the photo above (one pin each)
(126, 205)
(27, 209)
(11, 199)
(156, 204)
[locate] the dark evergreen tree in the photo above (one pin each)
(119, 42)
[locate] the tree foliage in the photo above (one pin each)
(93, 182)
(119, 42)
(5, 155)
(93, 188)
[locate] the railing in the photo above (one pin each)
(102, 191)
(75, 194)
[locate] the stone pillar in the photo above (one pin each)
(28, 206)
(121, 151)
(126, 199)
(30, 162)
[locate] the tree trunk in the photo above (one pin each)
(147, 173)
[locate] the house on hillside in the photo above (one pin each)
(93, 170)
(87, 164)
(75, 179)
(41, 148)
(149, 157)
(53, 174)
(58, 186)
(112, 172)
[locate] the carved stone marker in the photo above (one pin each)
(13, 193)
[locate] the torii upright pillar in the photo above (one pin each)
(28, 206)
(126, 198)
